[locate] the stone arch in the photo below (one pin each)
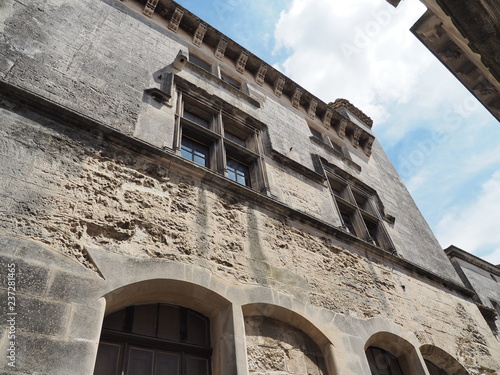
(298, 345)
(442, 360)
(190, 295)
(404, 351)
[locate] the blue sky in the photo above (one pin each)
(443, 143)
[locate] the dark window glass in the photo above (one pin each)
(169, 321)
(316, 134)
(114, 321)
(107, 359)
(142, 320)
(194, 151)
(167, 363)
(372, 231)
(433, 369)
(140, 361)
(382, 362)
(238, 172)
(235, 139)
(159, 339)
(231, 81)
(347, 222)
(202, 64)
(196, 119)
(197, 366)
(336, 147)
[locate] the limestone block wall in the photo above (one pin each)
(91, 222)
(96, 58)
(97, 213)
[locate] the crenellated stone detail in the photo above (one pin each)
(150, 7)
(369, 145)
(242, 61)
(312, 108)
(176, 19)
(279, 84)
(327, 118)
(296, 97)
(355, 137)
(221, 48)
(199, 34)
(261, 74)
(342, 128)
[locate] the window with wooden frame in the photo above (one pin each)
(358, 211)
(216, 138)
(154, 339)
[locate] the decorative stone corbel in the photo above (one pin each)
(199, 34)
(296, 97)
(150, 7)
(327, 118)
(342, 128)
(312, 108)
(279, 84)
(355, 137)
(261, 74)
(175, 20)
(221, 48)
(368, 147)
(242, 61)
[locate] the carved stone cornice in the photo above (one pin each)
(261, 74)
(279, 84)
(175, 21)
(242, 61)
(339, 103)
(296, 97)
(199, 34)
(311, 111)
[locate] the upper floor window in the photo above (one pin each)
(382, 362)
(220, 141)
(154, 339)
(358, 212)
(199, 62)
(433, 369)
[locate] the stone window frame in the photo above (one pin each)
(218, 70)
(361, 205)
(226, 135)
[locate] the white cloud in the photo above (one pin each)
(354, 50)
(474, 227)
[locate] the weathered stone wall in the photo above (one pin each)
(84, 196)
(277, 348)
(98, 57)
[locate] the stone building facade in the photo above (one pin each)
(171, 204)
